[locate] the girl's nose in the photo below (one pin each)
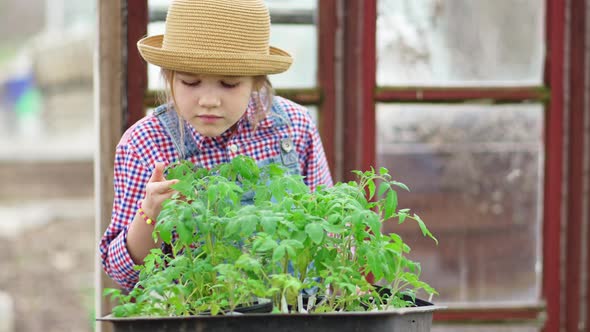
(209, 102)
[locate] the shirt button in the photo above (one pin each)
(233, 148)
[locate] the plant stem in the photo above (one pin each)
(286, 264)
(395, 287)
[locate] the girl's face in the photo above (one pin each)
(210, 103)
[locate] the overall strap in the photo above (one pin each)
(169, 120)
(281, 119)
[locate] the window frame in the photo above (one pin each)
(360, 35)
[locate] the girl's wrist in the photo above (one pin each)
(146, 214)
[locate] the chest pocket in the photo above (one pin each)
(287, 157)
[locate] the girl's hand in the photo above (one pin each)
(157, 191)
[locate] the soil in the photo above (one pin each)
(49, 273)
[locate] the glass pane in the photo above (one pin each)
(300, 40)
(475, 175)
(155, 80)
(487, 328)
(460, 42)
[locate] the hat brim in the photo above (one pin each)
(219, 63)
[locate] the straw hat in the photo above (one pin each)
(223, 37)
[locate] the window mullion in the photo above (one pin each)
(455, 94)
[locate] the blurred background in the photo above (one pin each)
(475, 165)
(47, 147)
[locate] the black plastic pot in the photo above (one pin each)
(415, 319)
(256, 308)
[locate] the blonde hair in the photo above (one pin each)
(262, 95)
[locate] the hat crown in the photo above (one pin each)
(230, 26)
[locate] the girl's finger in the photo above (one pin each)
(158, 199)
(158, 173)
(162, 187)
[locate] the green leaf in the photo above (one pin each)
(246, 167)
(292, 243)
(286, 204)
(336, 229)
(371, 185)
(165, 232)
(248, 263)
(395, 238)
(390, 204)
(402, 217)
(295, 185)
(357, 221)
(401, 185)
(200, 173)
(374, 265)
(114, 293)
(266, 245)
(176, 171)
(291, 251)
(279, 253)
(315, 232)
(232, 228)
(212, 193)
(414, 267)
(299, 236)
(278, 190)
(374, 223)
(269, 224)
(185, 233)
(383, 171)
(275, 170)
(424, 229)
(185, 187)
(248, 225)
(383, 186)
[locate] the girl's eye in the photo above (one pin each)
(195, 83)
(228, 85)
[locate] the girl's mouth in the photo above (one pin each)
(209, 118)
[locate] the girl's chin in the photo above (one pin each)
(208, 133)
(208, 130)
(211, 132)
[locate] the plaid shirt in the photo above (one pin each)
(147, 142)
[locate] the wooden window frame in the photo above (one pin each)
(360, 52)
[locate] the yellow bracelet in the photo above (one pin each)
(145, 217)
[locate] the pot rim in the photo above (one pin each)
(391, 312)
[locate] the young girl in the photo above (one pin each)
(214, 57)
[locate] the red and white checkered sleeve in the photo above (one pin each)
(130, 178)
(311, 150)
